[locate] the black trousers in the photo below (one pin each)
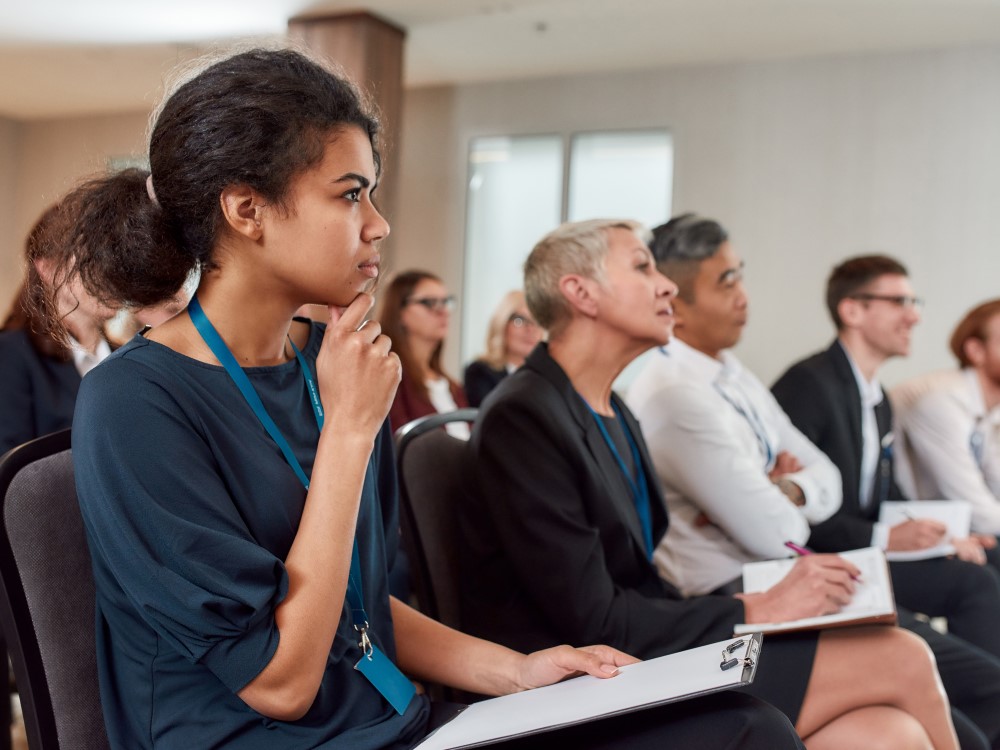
(723, 721)
(966, 593)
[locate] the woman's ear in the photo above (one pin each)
(579, 293)
(975, 351)
(242, 208)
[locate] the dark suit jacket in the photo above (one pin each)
(37, 392)
(820, 395)
(552, 546)
(480, 379)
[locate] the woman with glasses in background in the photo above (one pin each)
(415, 315)
(510, 337)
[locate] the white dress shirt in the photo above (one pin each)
(84, 360)
(871, 446)
(951, 443)
(439, 390)
(714, 432)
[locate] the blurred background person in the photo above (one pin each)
(510, 337)
(40, 371)
(949, 422)
(415, 315)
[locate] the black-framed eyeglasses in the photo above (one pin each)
(433, 304)
(899, 300)
(521, 321)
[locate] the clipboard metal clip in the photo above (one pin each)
(729, 661)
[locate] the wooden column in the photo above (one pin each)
(370, 50)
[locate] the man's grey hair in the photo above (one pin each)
(680, 246)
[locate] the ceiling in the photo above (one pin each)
(72, 57)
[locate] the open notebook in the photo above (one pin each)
(955, 514)
(667, 679)
(872, 603)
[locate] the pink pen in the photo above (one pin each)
(798, 549)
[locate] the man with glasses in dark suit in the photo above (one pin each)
(835, 399)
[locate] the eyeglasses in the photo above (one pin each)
(899, 300)
(434, 304)
(520, 321)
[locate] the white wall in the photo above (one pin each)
(47, 158)
(10, 260)
(805, 162)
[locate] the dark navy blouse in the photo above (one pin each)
(190, 510)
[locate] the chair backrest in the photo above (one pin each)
(432, 466)
(47, 602)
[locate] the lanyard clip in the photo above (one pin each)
(365, 643)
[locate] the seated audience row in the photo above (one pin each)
(235, 472)
(565, 492)
(741, 480)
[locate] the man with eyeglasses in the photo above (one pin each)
(835, 399)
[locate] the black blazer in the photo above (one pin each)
(37, 392)
(820, 395)
(552, 546)
(480, 379)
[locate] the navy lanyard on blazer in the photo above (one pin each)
(374, 665)
(638, 484)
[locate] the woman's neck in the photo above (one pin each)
(254, 325)
(591, 363)
(85, 331)
(422, 351)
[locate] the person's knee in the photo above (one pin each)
(900, 731)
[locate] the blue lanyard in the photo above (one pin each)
(355, 595)
(756, 424)
(976, 443)
(638, 484)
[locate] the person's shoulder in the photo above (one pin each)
(946, 389)
(814, 368)
(137, 367)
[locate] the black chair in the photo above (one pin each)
(431, 466)
(47, 602)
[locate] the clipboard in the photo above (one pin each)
(666, 679)
(873, 603)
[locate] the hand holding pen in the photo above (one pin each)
(803, 551)
(816, 585)
(915, 533)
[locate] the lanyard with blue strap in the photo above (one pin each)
(638, 483)
(756, 424)
(374, 664)
(752, 418)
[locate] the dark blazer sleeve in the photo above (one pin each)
(17, 423)
(810, 403)
(568, 558)
(480, 379)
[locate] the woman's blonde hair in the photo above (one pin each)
(496, 332)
